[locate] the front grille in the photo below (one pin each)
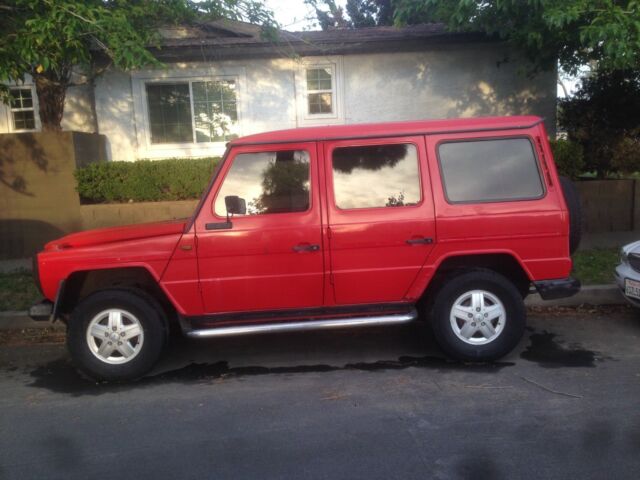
(634, 261)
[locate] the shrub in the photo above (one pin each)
(603, 116)
(626, 154)
(144, 180)
(569, 157)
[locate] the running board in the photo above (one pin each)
(301, 326)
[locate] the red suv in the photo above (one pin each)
(330, 227)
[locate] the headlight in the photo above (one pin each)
(623, 257)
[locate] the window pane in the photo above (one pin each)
(24, 120)
(320, 103)
(319, 79)
(170, 113)
(21, 98)
(376, 176)
(269, 182)
(312, 80)
(215, 112)
(490, 170)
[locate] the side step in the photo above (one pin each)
(301, 326)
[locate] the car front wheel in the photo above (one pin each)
(478, 316)
(116, 334)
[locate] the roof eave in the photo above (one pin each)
(278, 49)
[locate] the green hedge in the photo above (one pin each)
(144, 180)
(569, 157)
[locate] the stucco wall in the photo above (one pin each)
(114, 107)
(450, 81)
(461, 81)
(447, 81)
(78, 116)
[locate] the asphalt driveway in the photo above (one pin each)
(372, 404)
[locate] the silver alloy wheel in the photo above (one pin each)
(115, 336)
(477, 317)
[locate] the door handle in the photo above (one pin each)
(420, 241)
(305, 247)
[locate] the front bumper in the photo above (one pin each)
(41, 311)
(558, 288)
(624, 271)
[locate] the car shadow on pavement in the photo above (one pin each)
(202, 361)
(189, 361)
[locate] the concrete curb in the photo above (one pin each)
(20, 320)
(588, 295)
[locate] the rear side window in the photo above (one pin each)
(490, 170)
(374, 176)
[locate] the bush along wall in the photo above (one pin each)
(144, 180)
(569, 158)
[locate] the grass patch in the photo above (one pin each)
(17, 291)
(595, 267)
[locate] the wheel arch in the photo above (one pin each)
(505, 263)
(82, 283)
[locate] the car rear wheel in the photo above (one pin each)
(478, 316)
(116, 334)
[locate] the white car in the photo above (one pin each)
(628, 273)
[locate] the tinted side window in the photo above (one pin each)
(269, 182)
(490, 170)
(376, 176)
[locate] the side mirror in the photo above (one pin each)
(235, 205)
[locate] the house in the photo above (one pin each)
(222, 79)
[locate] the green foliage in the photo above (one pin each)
(47, 39)
(144, 180)
(571, 32)
(604, 117)
(569, 158)
(626, 154)
(355, 14)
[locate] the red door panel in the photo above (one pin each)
(533, 230)
(376, 252)
(263, 262)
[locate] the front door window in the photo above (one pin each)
(268, 182)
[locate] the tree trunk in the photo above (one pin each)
(51, 89)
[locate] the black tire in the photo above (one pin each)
(572, 199)
(496, 285)
(137, 302)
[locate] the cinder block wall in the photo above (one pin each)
(110, 215)
(38, 201)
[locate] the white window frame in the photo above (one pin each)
(140, 80)
(335, 64)
(34, 98)
(332, 91)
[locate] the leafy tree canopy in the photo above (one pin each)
(604, 117)
(571, 32)
(355, 14)
(47, 39)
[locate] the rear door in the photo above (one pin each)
(381, 224)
